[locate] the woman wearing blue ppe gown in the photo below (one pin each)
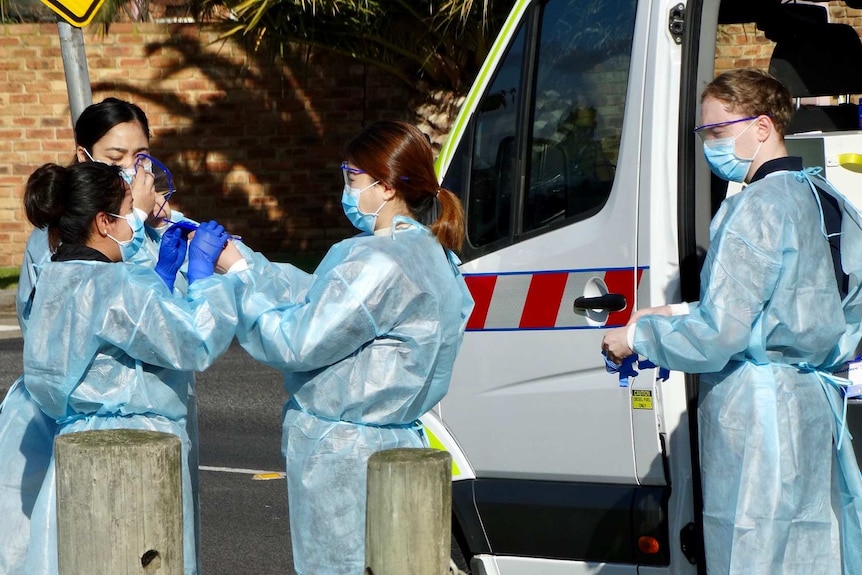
(120, 341)
(111, 132)
(781, 486)
(366, 343)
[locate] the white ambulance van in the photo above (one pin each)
(587, 197)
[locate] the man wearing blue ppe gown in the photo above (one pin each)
(781, 487)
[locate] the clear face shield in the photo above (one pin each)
(162, 179)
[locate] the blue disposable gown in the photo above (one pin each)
(122, 349)
(366, 345)
(768, 330)
(27, 434)
(26, 445)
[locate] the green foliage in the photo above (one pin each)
(9, 277)
(430, 44)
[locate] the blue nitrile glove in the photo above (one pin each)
(205, 249)
(172, 254)
(663, 372)
(625, 369)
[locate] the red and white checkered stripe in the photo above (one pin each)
(544, 300)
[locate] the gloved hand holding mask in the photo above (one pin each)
(172, 254)
(204, 250)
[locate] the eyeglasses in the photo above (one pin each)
(347, 172)
(702, 130)
(354, 171)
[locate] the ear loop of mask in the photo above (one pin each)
(92, 159)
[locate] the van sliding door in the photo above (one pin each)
(548, 170)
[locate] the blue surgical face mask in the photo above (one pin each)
(723, 161)
(128, 248)
(350, 203)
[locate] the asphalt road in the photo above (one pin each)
(244, 521)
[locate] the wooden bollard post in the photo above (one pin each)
(408, 522)
(119, 503)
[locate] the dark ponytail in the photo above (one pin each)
(66, 200)
(449, 225)
(400, 155)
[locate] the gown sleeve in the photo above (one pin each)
(740, 273)
(281, 281)
(347, 305)
(89, 311)
(149, 324)
(35, 255)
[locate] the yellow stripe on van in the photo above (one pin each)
(480, 84)
(436, 444)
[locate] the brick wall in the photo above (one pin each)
(255, 146)
(252, 145)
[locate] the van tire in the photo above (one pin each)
(458, 560)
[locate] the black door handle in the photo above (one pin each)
(609, 302)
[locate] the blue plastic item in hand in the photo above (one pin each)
(205, 249)
(191, 226)
(626, 368)
(663, 372)
(172, 254)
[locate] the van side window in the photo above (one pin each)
(581, 74)
(543, 143)
(492, 177)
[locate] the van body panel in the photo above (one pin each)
(583, 187)
(531, 409)
(563, 378)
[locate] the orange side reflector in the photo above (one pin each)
(648, 545)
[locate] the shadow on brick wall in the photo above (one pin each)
(252, 143)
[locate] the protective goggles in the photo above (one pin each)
(347, 172)
(162, 179)
(706, 130)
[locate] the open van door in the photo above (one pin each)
(555, 458)
(587, 196)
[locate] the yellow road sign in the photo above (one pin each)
(75, 12)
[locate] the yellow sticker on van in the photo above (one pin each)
(641, 399)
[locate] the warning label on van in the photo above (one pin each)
(641, 399)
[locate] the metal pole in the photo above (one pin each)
(75, 66)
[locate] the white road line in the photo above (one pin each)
(9, 328)
(242, 471)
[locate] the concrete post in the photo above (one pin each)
(409, 512)
(119, 503)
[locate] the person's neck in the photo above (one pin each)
(769, 150)
(106, 246)
(389, 213)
